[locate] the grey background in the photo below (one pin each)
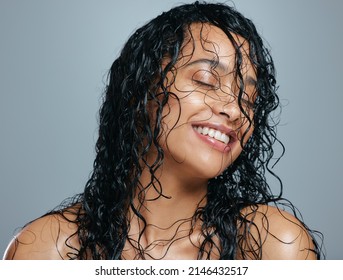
(54, 56)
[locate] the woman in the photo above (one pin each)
(185, 139)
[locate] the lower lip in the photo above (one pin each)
(215, 144)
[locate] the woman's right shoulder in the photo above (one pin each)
(50, 237)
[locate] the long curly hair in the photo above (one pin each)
(128, 130)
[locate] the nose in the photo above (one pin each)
(230, 109)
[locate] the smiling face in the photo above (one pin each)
(209, 113)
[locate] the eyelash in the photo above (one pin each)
(201, 83)
(246, 102)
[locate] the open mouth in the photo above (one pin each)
(213, 133)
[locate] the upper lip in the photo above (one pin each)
(218, 126)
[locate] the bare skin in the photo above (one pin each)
(191, 159)
(44, 239)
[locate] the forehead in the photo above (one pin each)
(205, 41)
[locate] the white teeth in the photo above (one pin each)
(216, 134)
(224, 138)
(211, 132)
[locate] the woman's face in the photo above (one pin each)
(203, 124)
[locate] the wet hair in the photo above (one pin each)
(129, 129)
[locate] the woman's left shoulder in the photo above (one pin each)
(283, 235)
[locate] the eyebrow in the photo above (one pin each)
(211, 62)
(249, 80)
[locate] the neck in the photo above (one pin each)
(169, 204)
(170, 197)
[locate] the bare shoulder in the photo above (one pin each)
(47, 238)
(282, 235)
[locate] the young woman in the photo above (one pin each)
(185, 140)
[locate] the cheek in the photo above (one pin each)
(247, 126)
(171, 112)
(181, 107)
(248, 130)
(243, 135)
(171, 119)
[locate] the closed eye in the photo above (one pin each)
(249, 104)
(204, 84)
